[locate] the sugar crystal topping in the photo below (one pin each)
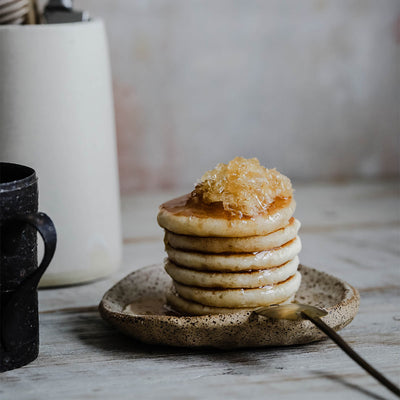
(243, 186)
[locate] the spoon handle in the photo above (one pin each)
(350, 352)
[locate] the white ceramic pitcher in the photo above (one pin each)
(56, 115)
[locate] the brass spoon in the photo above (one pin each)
(314, 314)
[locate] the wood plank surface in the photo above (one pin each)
(351, 230)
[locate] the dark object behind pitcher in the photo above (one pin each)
(19, 271)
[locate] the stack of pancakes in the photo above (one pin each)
(220, 263)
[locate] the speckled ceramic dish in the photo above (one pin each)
(136, 307)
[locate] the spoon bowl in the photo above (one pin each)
(290, 311)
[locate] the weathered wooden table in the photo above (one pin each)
(351, 230)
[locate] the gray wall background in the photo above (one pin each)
(311, 87)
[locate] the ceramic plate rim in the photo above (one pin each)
(119, 317)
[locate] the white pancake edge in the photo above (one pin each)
(235, 262)
(241, 298)
(234, 245)
(232, 280)
(187, 307)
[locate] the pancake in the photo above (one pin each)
(187, 307)
(185, 217)
(238, 280)
(234, 245)
(232, 242)
(232, 262)
(241, 298)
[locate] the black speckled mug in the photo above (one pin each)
(19, 271)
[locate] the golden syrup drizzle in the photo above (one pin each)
(189, 205)
(148, 305)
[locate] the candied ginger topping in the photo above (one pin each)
(243, 186)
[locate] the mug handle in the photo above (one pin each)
(44, 225)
